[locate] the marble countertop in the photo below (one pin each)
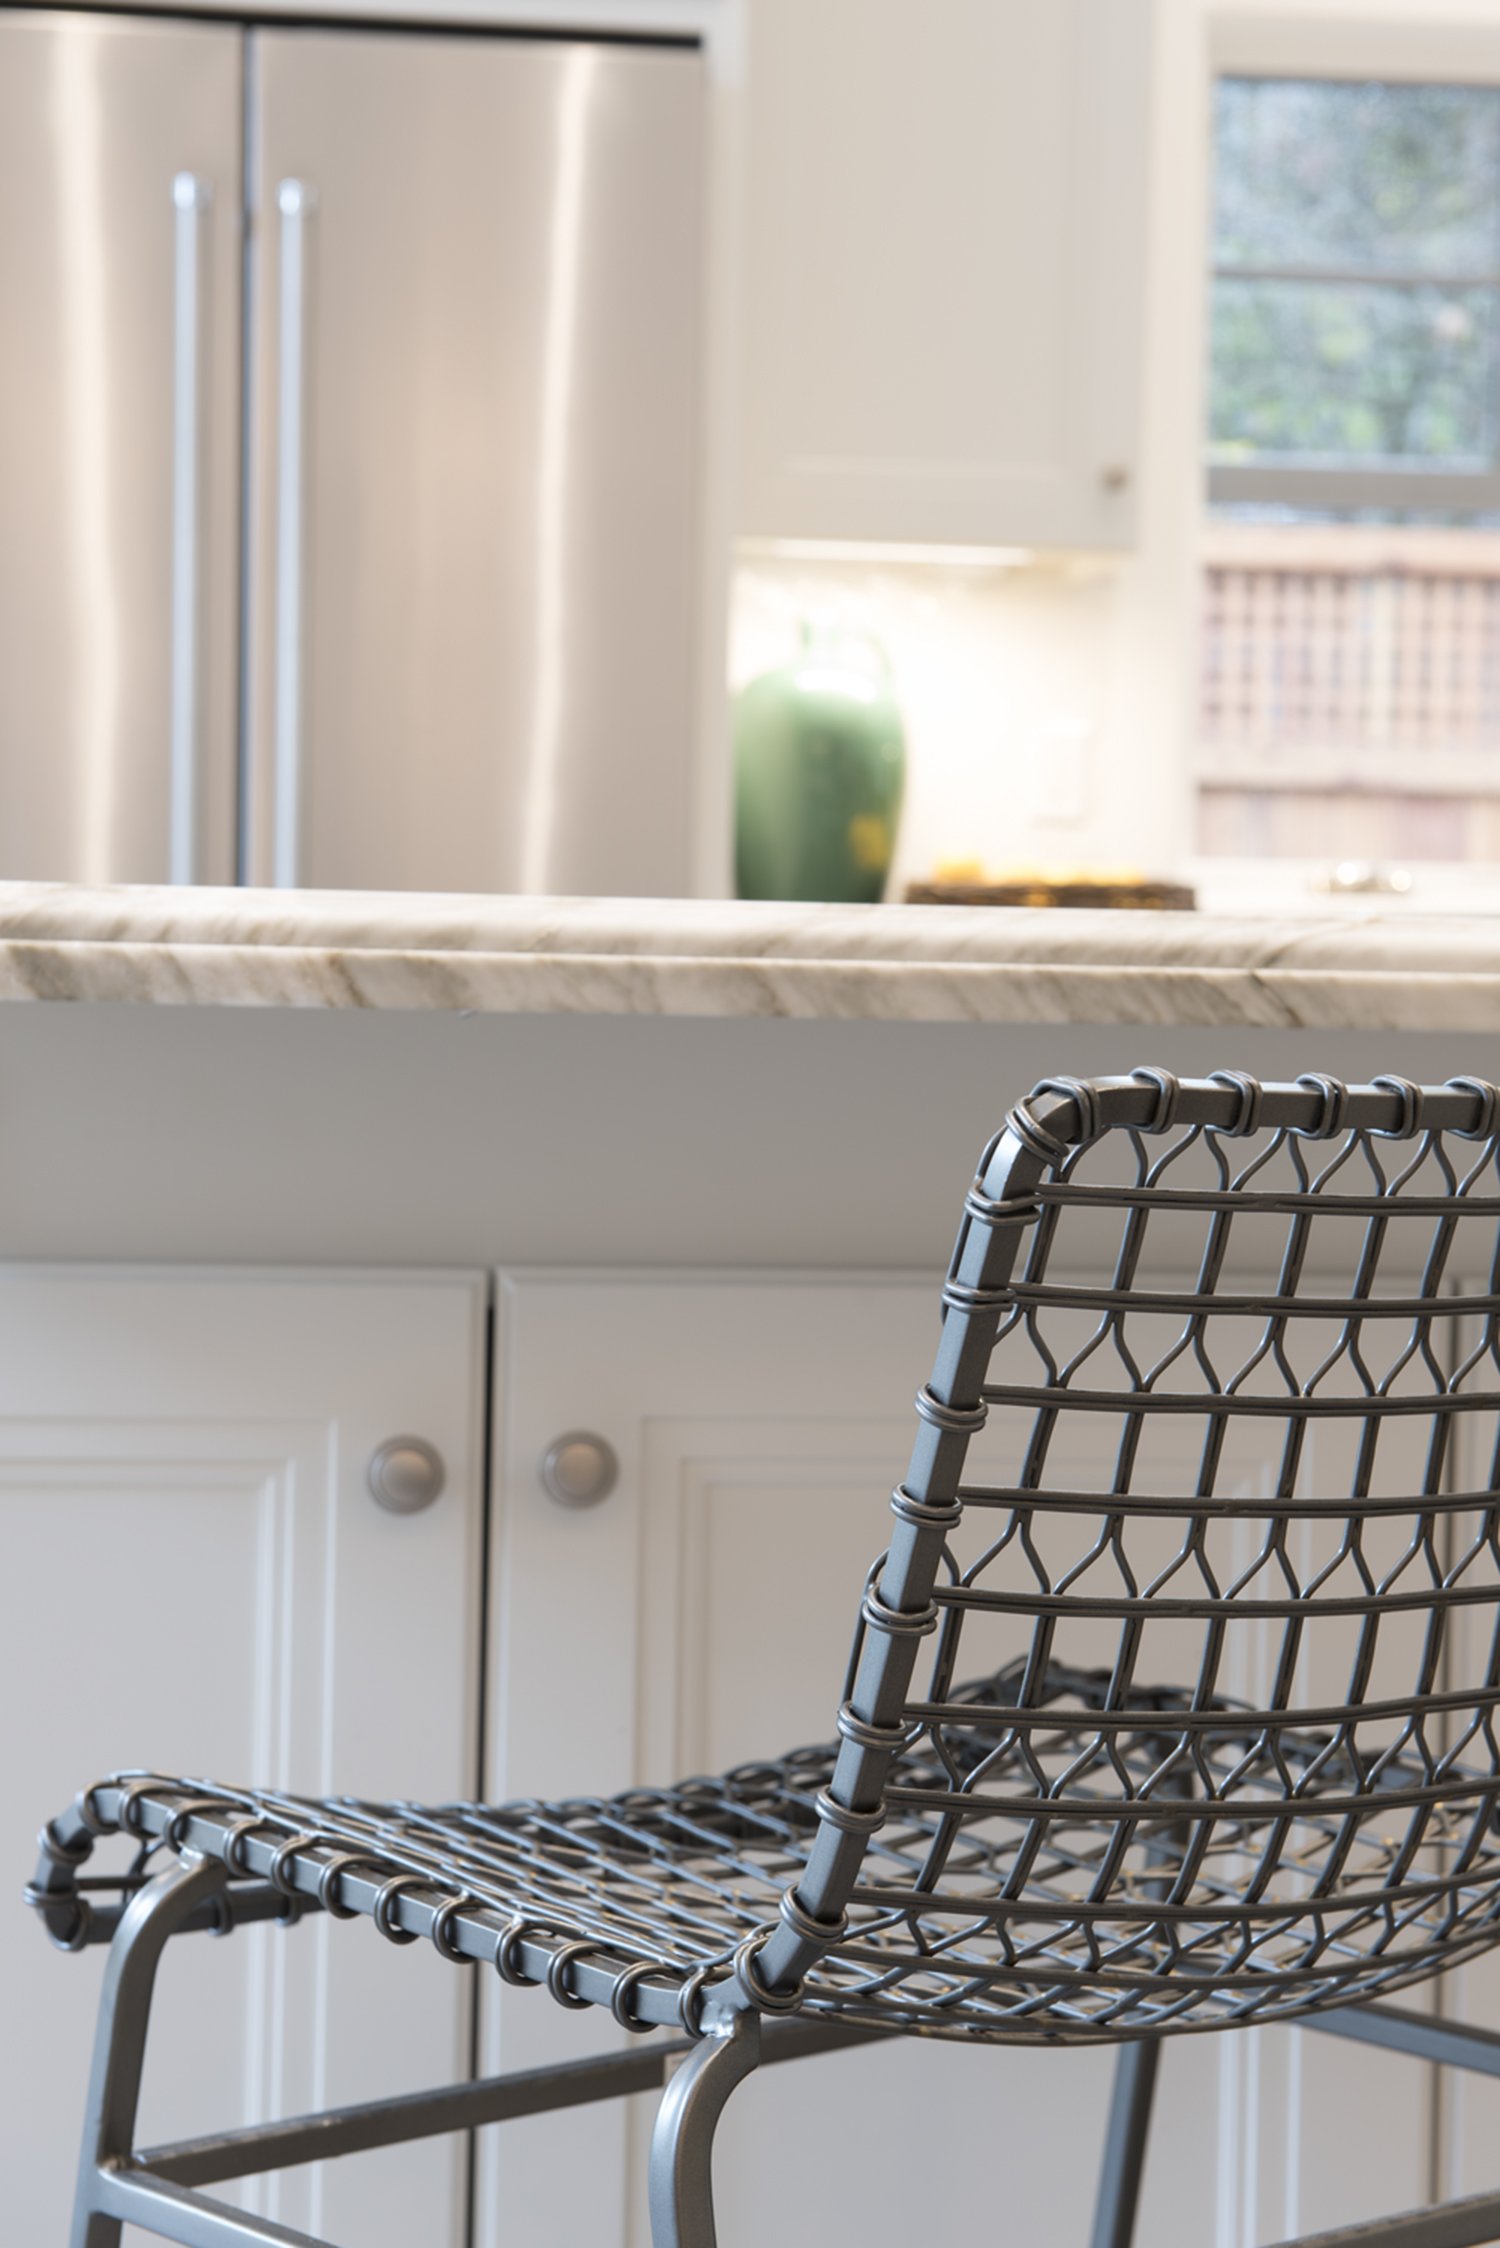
(1363, 969)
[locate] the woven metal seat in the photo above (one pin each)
(1171, 1703)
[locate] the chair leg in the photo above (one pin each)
(1125, 2143)
(682, 2200)
(153, 1914)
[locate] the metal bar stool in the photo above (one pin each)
(1067, 1801)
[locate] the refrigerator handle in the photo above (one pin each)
(294, 201)
(190, 200)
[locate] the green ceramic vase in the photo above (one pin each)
(820, 763)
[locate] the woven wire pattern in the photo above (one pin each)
(1272, 1488)
(661, 1884)
(1218, 1560)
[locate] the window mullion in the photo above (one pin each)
(1355, 277)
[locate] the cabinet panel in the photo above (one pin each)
(119, 447)
(197, 1580)
(945, 251)
(699, 1617)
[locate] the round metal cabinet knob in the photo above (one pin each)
(405, 1474)
(579, 1469)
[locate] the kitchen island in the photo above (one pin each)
(408, 1079)
(292, 1179)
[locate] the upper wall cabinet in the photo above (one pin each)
(945, 234)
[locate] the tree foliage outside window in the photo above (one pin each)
(1356, 296)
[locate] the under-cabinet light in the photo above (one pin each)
(886, 550)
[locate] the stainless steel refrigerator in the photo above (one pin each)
(349, 456)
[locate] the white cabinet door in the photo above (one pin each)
(196, 1580)
(664, 1632)
(945, 248)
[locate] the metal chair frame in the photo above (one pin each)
(1141, 1861)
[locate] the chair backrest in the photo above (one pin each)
(1173, 1699)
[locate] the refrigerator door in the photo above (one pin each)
(477, 286)
(120, 222)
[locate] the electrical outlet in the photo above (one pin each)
(1058, 762)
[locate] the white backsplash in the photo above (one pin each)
(1021, 696)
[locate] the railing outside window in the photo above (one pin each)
(1350, 701)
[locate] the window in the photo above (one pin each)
(1356, 297)
(1350, 705)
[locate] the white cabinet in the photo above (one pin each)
(699, 1617)
(195, 1578)
(944, 256)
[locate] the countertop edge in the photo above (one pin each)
(71, 971)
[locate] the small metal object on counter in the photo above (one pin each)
(579, 1468)
(1366, 878)
(405, 1474)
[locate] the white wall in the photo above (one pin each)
(995, 667)
(1006, 679)
(999, 671)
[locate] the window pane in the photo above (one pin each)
(1317, 172)
(1358, 372)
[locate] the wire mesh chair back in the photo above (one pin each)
(1217, 1556)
